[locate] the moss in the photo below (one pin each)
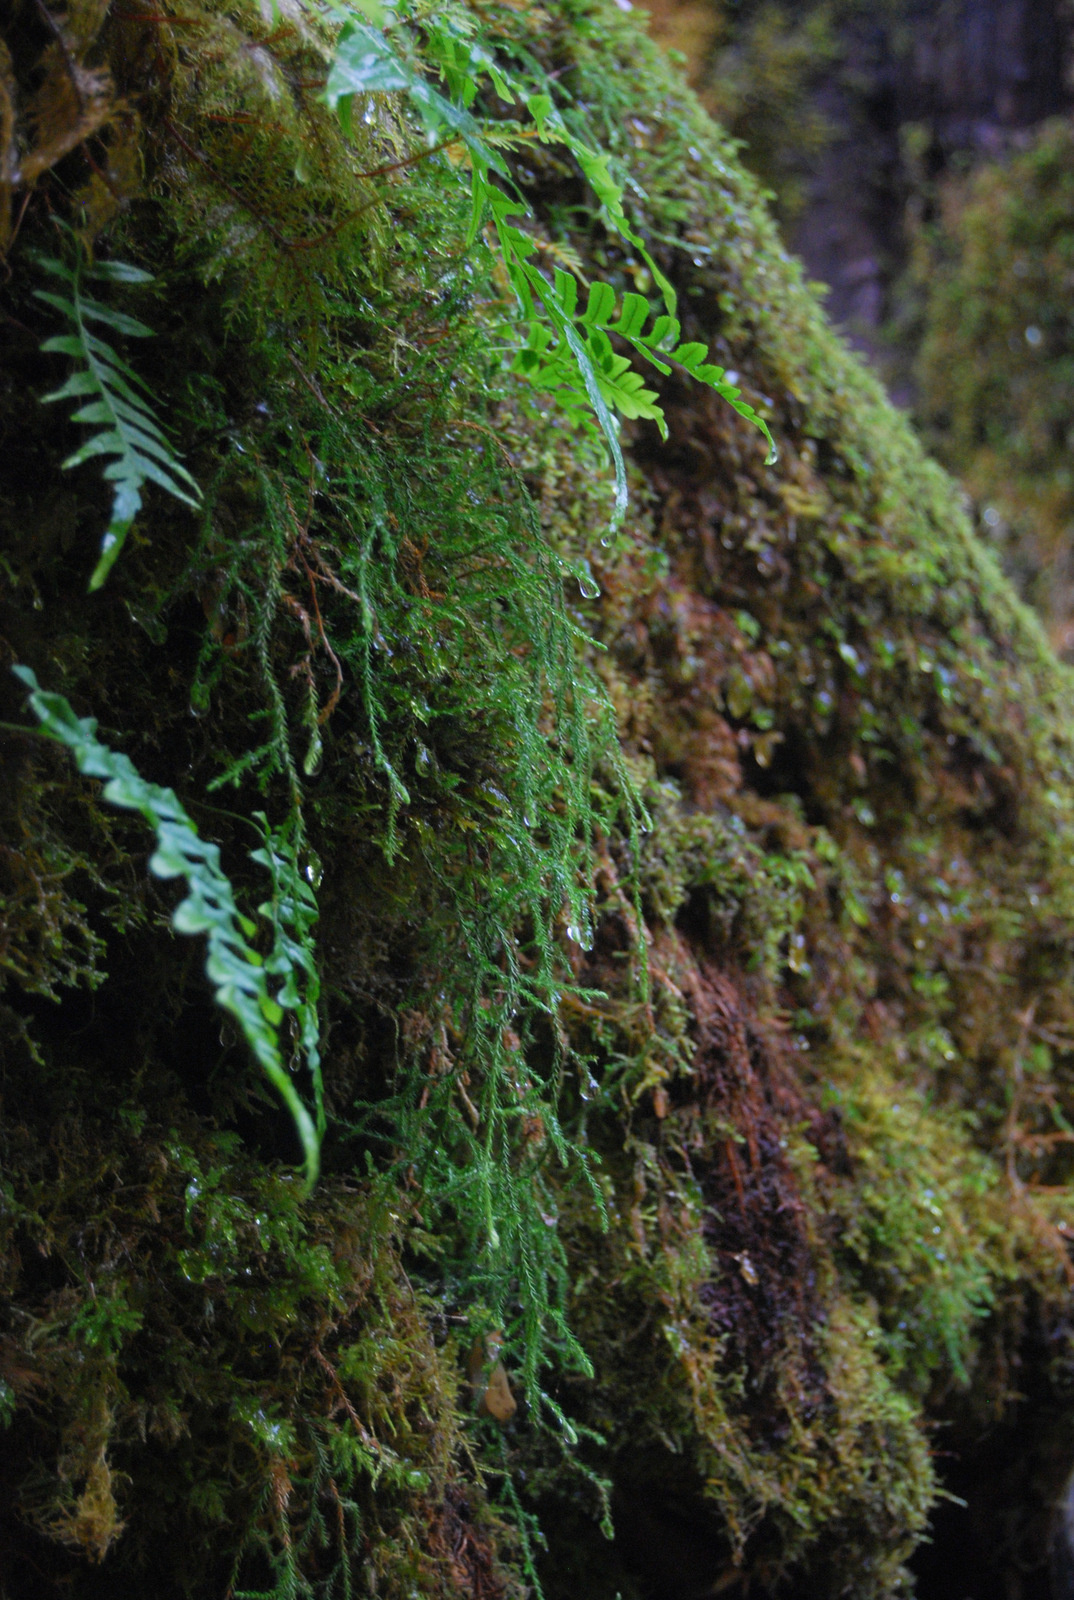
(670, 1117)
(994, 362)
(212, 1365)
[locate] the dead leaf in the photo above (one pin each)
(491, 1386)
(498, 1400)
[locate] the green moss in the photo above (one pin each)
(217, 1366)
(691, 952)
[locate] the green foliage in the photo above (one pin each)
(490, 789)
(754, 899)
(565, 352)
(487, 784)
(117, 400)
(627, 1101)
(924, 1230)
(550, 364)
(234, 967)
(50, 943)
(232, 1366)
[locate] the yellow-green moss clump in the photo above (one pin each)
(695, 954)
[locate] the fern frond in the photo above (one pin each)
(623, 388)
(365, 63)
(117, 404)
(570, 355)
(238, 973)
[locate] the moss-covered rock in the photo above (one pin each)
(694, 896)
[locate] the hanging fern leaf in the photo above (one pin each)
(569, 354)
(117, 401)
(239, 974)
(365, 63)
(549, 365)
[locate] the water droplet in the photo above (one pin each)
(312, 763)
(586, 582)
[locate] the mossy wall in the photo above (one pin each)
(695, 896)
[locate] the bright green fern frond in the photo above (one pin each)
(365, 63)
(117, 403)
(567, 354)
(623, 388)
(239, 974)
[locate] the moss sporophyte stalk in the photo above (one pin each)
(477, 920)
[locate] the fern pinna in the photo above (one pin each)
(117, 400)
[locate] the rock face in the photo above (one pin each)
(968, 77)
(981, 65)
(661, 930)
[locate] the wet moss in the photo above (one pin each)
(753, 1181)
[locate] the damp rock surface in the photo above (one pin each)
(663, 924)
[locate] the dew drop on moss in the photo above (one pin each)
(586, 582)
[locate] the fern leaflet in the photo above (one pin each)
(237, 971)
(117, 401)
